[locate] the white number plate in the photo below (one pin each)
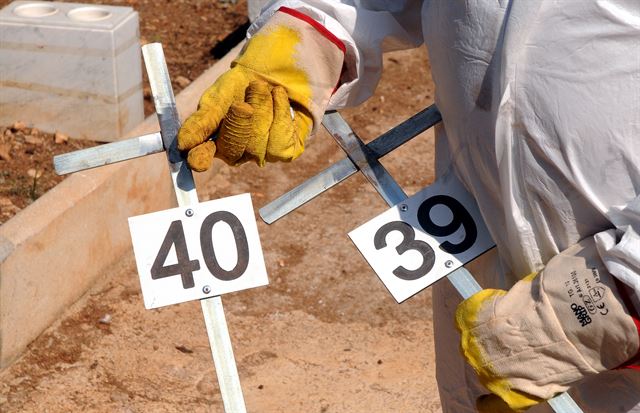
(199, 251)
(423, 239)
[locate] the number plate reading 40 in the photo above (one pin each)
(423, 239)
(194, 252)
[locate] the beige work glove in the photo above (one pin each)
(550, 330)
(270, 100)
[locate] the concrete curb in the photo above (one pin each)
(53, 251)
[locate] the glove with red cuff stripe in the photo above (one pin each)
(272, 98)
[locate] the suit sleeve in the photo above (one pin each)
(367, 29)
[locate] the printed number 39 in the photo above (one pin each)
(185, 267)
(461, 217)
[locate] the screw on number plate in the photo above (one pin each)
(206, 289)
(189, 212)
(404, 208)
(448, 264)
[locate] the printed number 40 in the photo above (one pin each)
(461, 217)
(185, 266)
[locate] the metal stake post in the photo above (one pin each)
(185, 190)
(365, 159)
(184, 186)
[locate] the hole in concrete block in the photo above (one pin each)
(89, 14)
(35, 10)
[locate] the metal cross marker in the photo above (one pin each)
(365, 158)
(185, 190)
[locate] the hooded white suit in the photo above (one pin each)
(541, 120)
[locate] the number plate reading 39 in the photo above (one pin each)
(199, 251)
(424, 238)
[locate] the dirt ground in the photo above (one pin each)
(324, 336)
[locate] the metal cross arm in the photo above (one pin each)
(346, 167)
(108, 153)
(164, 141)
(365, 158)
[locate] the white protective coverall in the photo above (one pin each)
(541, 120)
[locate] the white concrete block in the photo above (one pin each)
(71, 67)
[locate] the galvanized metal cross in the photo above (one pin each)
(185, 190)
(365, 158)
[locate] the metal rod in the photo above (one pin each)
(309, 189)
(464, 282)
(222, 353)
(363, 158)
(405, 131)
(214, 319)
(108, 153)
(344, 168)
(563, 403)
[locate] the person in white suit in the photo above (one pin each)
(540, 102)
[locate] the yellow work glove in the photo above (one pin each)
(270, 100)
(550, 330)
